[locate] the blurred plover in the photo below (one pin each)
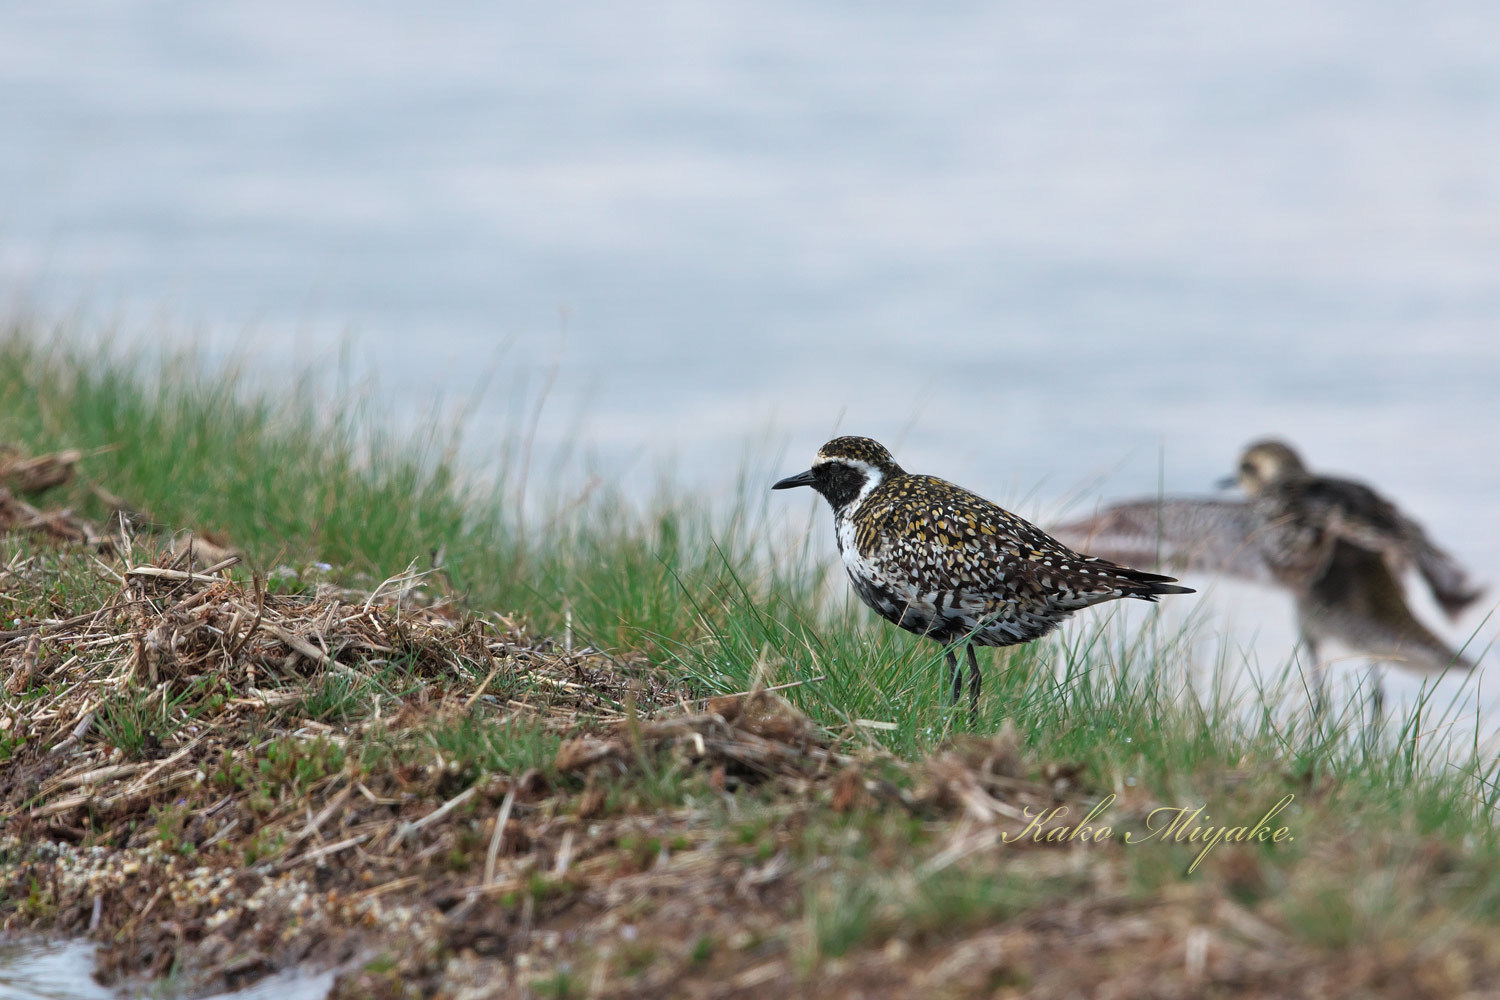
(1337, 545)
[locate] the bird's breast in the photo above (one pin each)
(857, 540)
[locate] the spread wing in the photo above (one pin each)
(1214, 536)
(1363, 517)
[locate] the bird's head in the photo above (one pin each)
(1264, 463)
(845, 470)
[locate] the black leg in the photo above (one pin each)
(955, 677)
(973, 688)
(1377, 697)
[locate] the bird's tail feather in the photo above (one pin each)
(1449, 584)
(1149, 586)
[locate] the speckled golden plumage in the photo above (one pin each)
(941, 561)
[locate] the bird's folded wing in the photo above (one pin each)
(1360, 600)
(1363, 517)
(1215, 536)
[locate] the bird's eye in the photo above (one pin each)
(1247, 468)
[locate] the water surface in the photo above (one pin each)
(62, 970)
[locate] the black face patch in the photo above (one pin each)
(839, 482)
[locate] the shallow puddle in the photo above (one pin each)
(61, 970)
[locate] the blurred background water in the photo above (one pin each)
(1049, 251)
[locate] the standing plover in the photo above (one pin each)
(948, 564)
(1338, 546)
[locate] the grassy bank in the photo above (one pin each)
(508, 754)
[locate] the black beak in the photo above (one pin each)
(1228, 483)
(800, 479)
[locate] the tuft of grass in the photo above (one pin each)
(838, 917)
(170, 821)
(472, 746)
(561, 985)
(140, 722)
(290, 766)
(702, 951)
(952, 902)
(337, 697)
